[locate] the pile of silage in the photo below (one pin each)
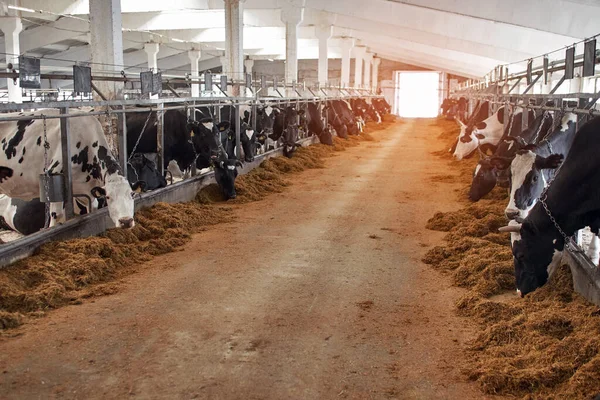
(65, 272)
(545, 346)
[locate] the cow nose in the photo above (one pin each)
(127, 222)
(511, 214)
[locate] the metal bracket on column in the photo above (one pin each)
(532, 84)
(560, 82)
(515, 85)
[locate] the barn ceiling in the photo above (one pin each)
(464, 37)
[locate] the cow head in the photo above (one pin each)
(205, 140)
(225, 174)
(484, 180)
(536, 253)
(528, 182)
(140, 168)
(248, 138)
(474, 134)
(290, 132)
(118, 194)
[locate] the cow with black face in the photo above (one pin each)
(486, 174)
(318, 125)
(286, 129)
(141, 168)
(573, 200)
(94, 169)
(338, 124)
(248, 137)
(225, 175)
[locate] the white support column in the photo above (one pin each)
(194, 56)
(152, 50)
(359, 54)
(224, 65)
(347, 45)
(12, 27)
(323, 34)
(292, 14)
(107, 43)
(375, 82)
(234, 41)
(367, 73)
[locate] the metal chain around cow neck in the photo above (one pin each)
(537, 134)
(47, 173)
(141, 134)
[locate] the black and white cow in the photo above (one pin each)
(94, 169)
(573, 199)
(534, 166)
(344, 111)
(141, 168)
(486, 175)
(336, 121)
(318, 124)
(382, 106)
(247, 135)
(286, 129)
(465, 137)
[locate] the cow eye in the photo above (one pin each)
(107, 197)
(535, 178)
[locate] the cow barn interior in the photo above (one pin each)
(299, 199)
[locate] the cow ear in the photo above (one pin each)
(139, 186)
(553, 161)
(5, 173)
(98, 192)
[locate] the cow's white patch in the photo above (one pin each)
(174, 169)
(8, 211)
(231, 167)
(249, 133)
(268, 111)
(593, 251)
(477, 168)
(511, 145)
(208, 125)
(557, 261)
(570, 117)
(492, 134)
(521, 165)
(514, 236)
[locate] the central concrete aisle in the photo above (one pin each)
(315, 293)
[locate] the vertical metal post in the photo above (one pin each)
(238, 128)
(160, 137)
(122, 139)
(193, 117)
(65, 144)
(506, 114)
(525, 116)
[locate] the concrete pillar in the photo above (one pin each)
(347, 45)
(367, 73)
(107, 43)
(194, 56)
(234, 41)
(323, 34)
(359, 54)
(375, 82)
(249, 64)
(152, 50)
(12, 27)
(292, 14)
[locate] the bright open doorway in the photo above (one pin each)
(417, 94)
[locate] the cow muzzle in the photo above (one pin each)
(126, 223)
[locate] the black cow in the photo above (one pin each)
(140, 168)
(225, 174)
(486, 175)
(344, 111)
(317, 123)
(336, 121)
(573, 200)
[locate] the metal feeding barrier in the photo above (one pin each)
(59, 187)
(502, 89)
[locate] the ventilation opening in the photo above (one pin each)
(417, 94)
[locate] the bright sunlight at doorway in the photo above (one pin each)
(417, 94)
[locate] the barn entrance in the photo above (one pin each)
(417, 94)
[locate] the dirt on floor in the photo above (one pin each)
(309, 285)
(546, 346)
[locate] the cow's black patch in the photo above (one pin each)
(53, 215)
(21, 174)
(95, 144)
(24, 150)
(78, 145)
(11, 147)
(54, 166)
(82, 158)
(39, 141)
(5, 173)
(111, 165)
(21, 160)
